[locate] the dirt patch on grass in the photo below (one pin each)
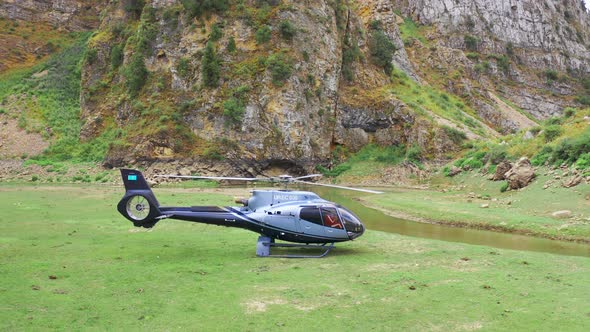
(15, 142)
(257, 306)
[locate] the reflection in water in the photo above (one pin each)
(376, 220)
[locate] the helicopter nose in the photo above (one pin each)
(360, 229)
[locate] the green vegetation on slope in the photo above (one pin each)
(71, 262)
(48, 96)
(559, 140)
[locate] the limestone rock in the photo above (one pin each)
(521, 174)
(573, 181)
(501, 170)
(562, 214)
(454, 170)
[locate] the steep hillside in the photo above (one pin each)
(30, 30)
(296, 84)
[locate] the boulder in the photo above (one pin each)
(562, 214)
(573, 181)
(501, 170)
(521, 174)
(454, 171)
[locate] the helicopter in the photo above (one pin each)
(300, 217)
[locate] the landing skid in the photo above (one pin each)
(265, 243)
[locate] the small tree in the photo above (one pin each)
(382, 50)
(231, 45)
(210, 66)
(216, 33)
(280, 67)
(116, 56)
(287, 30)
(263, 35)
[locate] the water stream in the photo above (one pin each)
(376, 220)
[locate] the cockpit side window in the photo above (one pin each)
(312, 215)
(331, 218)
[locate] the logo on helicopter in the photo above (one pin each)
(284, 197)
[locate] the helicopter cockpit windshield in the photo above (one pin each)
(353, 225)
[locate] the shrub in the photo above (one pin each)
(183, 67)
(196, 8)
(91, 56)
(583, 161)
(552, 132)
(233, 110)
(471, 42)
(280, 67)
(210, 66)
(135, 74)
(231, 45)
(216, 33)
(334, 172)
(381, 50)
(542, 157)
(496, 154)
(455, 135)
(287, 30)
(551, 75)
(263, 35)
(134, 6)
(568, 112)
(504, 187)
(414, 154)
(116, 56)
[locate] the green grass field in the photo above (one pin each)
(68, 261)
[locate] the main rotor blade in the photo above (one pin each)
(211, 178)
(340, 187)
(308, 176)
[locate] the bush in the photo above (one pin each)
(504, 187)
(552, 132)
(334, 172)
(583, 161)
(135, 74)
(471, 42)
(210, 66)
(196, 8)
(287, 30)
(568, 112)
(183, 67)
(231, 45)
(91, 56)
(381, 50)
(116, 56)
(263, 35)
(543, 156)
(216, 33)
(280, 67)
(134, 6)
(454, 135)
(233, 110)
(551, 75)
(414, 154)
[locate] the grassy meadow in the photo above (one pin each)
(69, 261)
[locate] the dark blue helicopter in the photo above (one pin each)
(301, 217)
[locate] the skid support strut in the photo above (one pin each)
(265, 243)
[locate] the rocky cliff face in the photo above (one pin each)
(291, 81)
(73, 15)
(524, 41)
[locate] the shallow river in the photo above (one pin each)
(376, 220)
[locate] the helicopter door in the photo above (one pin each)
(311, 221)
(331, 219)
